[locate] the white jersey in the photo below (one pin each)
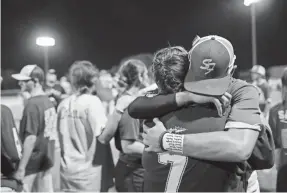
(80, 121)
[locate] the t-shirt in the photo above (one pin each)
(39, 119)
(278, 124)
(166, 172)
(81, 119)
(11, 149)
(129, 129)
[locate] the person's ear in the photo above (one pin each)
(36, 80)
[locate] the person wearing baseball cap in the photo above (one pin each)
(278, 124)
(37, 132)
(258, 76)
(211, 66)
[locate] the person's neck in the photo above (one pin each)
(37, 91)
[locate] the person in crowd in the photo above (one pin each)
(53, 88)
(244, 102)
(11, 151)
(37, 132)
(129, 171)
(81, 118)
(278, 124)
(132, 77)
(105, 91)
(66, 85)
(258, 76)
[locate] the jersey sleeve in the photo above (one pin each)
(148, 107)
(245, 111)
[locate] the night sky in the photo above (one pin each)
(105, 31)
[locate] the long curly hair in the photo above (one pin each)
(82, 74)
(170, 66)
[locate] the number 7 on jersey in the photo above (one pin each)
(177, 168)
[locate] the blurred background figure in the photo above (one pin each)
(37, 132)
(11, 151)
(107, 91)
(258, 76)
(132, 77)
(278, 124)
(81, 118)
(66, 85)
(53, 88)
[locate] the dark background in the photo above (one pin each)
(105, 31)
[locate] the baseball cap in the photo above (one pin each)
(210, 59)
(25, 73)
(259, 70)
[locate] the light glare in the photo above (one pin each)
(249, 2)
(45, 41)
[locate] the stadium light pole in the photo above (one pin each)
(45, 42)
(252, 3)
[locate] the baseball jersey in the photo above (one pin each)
(278, 124)
(175, 173)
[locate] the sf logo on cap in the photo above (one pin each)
(208, 65)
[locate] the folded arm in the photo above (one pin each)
(110, 128)
(234, 145)
(149, 107)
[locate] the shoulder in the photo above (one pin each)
(4, 108)
(5, 111)
(240, 88)
(125, 99)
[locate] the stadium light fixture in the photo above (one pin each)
(249, 2)
(45, 41)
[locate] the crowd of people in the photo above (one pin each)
(182, 125)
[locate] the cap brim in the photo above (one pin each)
(212, 87)
(20, 77)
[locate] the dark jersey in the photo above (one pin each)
(39, 119)
(175, 173)
(278, 124)
(10, 143)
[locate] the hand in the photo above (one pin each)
(151, 136)
(19, 174)
(221, 103)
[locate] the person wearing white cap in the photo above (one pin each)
(258, 76)
(37, 132)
